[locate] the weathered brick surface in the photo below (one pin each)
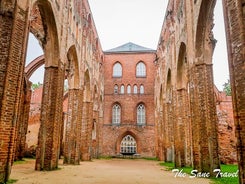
(60, 25)
(234, 22)
(144, 135)
(72, 149)
(50, 121)
(13, 33)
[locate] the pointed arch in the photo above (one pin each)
(73, 69)
(50, 41)
(204, 35)
(87, 92)
(181, 67)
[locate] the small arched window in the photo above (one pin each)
(117, 70)
(135, 89)
(141, 114)
(116, 114)
(122, 89)
(142, 90)
(140, 70)
(116, 89)
(129, 89)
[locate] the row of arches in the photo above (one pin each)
(140, 114)
(135, 89)
(140, 70)
(41, 18)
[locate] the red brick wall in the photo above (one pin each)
(112, 135)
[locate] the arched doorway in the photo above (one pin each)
(128, 145)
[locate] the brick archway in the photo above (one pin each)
(122, 135)
(33, 66)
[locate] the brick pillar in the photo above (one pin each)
(95, 139)
(87, 130)
(234, 13)
(180, 130)
(72, 147)
(51, 119)
(204, 120)
(23, 121)
(13, 31)
(169, 136)
(160, 137)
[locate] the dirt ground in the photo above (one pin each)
(112, 171)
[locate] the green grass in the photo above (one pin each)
(221, 180)
(10, 181)
(170, 166)
(105, 157)
(227, 180)
(150, 158)
(20, 161)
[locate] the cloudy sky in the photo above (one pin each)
(140, 22)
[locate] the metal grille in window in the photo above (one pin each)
(128, 145)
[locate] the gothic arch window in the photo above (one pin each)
(117, 70)
(122, 89)
(116, 114)
(116, 89)
(140, 70)
(128, 145)
(142, 89)
(129, 89)
(141, 114)
(135, 89)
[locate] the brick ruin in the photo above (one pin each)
(193, 122)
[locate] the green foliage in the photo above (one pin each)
(35, 86)
(227, 88)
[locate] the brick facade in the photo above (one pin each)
(179, 97)
(113, 134)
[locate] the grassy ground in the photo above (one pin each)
(225, 169)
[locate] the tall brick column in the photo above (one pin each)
(95, 140)
(234, 13)
(204, 120)
(169, 138)
(23, 121)
(51, 119)
(13, 31)
(87, 130)
(181, 130)
(72, 147)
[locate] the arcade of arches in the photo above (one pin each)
(184, 100)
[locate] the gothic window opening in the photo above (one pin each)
(116, 114)
(141, 114)
(128, 89)
(140, 70)
(128, 145)
(122, 89)
(142, 90)
(115, 89)
(135, 89)
(117, 70)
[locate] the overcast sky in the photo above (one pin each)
(140, 22)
